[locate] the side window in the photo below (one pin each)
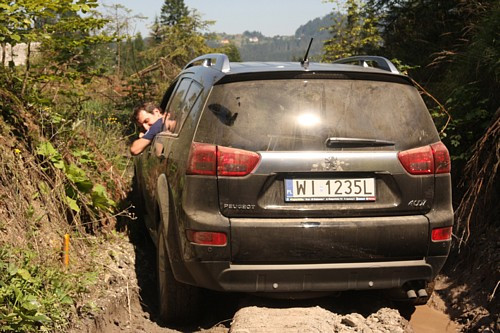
(175, 108)
(183, 100)
(167, 96)
(192, 98)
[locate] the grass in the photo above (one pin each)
(37, 292)
(37, 296)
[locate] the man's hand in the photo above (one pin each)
(141, 134)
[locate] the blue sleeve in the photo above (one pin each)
(155, 129)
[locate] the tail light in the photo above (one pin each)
(206, 159)
(202, 159)
(426, 160)
(235, 162)
(442, 163)
(207, 237)
(441, 234)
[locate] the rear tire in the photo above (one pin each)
(178, 302)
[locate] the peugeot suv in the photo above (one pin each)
(290, 179)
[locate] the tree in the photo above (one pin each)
(120, 25)
(453, 49)
(179, 44)
(231, 51)
(68, 37)
(42, 101)
(155, 32)
(354, 32)
(172, 12)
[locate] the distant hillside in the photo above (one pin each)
(316, 28)
(253, 46)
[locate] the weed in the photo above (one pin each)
(36, 296)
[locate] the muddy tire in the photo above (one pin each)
(178, 302)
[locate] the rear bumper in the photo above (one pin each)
(287, 278)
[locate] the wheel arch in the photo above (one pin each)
(163, 195)
(166, 220)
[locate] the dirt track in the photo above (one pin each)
(131, 302)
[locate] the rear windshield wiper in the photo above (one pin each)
(356, 142)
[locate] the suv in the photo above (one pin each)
(291, 179)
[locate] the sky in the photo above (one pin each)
(271, 17)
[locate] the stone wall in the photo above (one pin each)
(18, 53)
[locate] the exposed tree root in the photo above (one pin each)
(478, 208)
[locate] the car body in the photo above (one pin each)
(289, 179)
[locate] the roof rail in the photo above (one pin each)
(382, 62)
(215, 60)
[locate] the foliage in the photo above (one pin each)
(415, 30)
(120, 23)
(174, 47)
(478, 205)
(183, 41)
(172, 12)
(132, 55)
(65, 31)
(231, 51)
(453, 47)
(79, 183)
(55, 175)
(354, 33)
(35, 297)
(47, 117)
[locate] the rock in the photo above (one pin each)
(316, 319)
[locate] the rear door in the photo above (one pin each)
(329, 177)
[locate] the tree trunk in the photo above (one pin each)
(26, 73)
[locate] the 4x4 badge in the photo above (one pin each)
(417, 203)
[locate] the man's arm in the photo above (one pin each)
(145, 139)
(139, 145)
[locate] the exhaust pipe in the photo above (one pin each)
(411, 294)
(422, 293)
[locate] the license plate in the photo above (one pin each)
(346, 189)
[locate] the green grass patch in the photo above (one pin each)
(36, 296)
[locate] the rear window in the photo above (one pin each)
(290, 115)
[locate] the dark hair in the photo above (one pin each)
(149, 107)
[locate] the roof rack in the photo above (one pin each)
(382, 62)
(215, 60)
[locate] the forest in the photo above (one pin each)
(66, 173)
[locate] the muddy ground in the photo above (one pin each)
(129, 305)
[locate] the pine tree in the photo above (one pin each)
(172, 12)
(156, 31)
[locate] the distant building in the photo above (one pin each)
(18, 53)
(253, 39)
(224, 41)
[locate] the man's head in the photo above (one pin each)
(147, 114)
